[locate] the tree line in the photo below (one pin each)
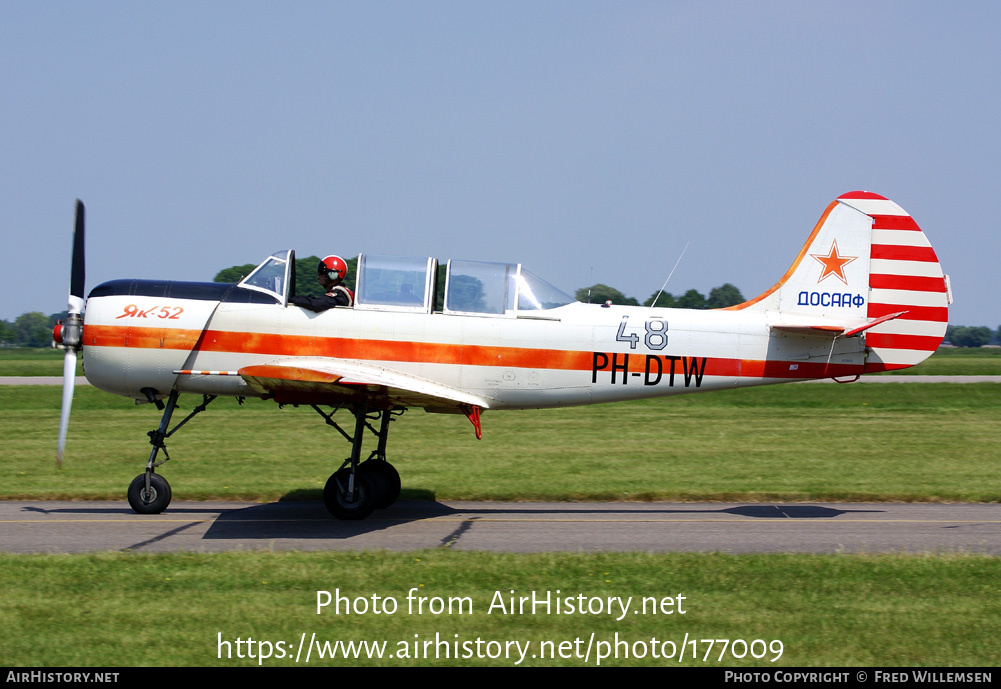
(34, 329)
(972, 336)
(719, 297)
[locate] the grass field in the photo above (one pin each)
(28, 361)
(947, 361)
(914, 442)
(835, 610)
(792, 442)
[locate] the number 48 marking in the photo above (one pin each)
(656, 334)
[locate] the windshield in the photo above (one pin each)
(272, 276)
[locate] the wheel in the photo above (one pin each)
(390, 477)
(345, 505)
(153, 502)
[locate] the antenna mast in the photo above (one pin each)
(669, 275)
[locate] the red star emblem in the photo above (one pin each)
(834, 263)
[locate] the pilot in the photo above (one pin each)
(331, 272)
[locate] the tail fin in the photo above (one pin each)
(868, 267)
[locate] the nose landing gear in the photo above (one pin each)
(149, 493)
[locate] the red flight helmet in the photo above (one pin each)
(334, 267)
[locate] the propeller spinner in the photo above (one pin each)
(69, 332)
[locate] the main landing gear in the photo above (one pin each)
(358, 488)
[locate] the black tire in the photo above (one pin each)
(344, 505)
(158, 498)
(389, 476)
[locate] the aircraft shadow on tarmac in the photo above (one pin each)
(310, 519)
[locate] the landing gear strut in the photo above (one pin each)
(149, 493)
(357, 488)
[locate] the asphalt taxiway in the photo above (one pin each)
(77, 527)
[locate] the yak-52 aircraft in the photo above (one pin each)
(865, 294)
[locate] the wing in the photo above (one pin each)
(312, 381)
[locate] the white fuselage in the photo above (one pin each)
(571, 355)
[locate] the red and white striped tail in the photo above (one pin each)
(904, 276)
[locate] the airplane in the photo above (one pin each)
(865, 294)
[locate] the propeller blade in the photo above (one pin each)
(70, 331)
(76, 295)
(69, 379)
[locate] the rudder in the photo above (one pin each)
(904, 277)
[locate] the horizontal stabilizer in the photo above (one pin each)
(877, 321)
(801, 329)
(817, 327)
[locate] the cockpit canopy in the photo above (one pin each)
(393, 283)
(473, 287)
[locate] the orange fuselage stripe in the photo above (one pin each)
(273, 344)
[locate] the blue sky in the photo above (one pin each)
(590, 141)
